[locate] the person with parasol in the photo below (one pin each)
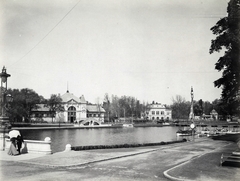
(16, 142)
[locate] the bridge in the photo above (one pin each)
(90, 122)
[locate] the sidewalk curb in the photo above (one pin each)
(88, 162)
(98, 160)
(165, 173)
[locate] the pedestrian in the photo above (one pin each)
(19, 143)
(12, 149)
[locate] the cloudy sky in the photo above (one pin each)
(151, 50)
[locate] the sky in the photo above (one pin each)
(151, 50)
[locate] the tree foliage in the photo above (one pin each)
(227, 31)
(124, 106)
(24, 101)
(180, 108)
(54, 104)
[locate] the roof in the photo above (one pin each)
(41, 107)
(157, 106)
(213, 112)
(82, 99)
(94, 108)
(69, 96)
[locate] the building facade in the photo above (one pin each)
(76, 110)
(42, 114)
(157, 111)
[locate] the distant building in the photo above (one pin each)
(75, 110)
(42, 114)
(212, 116)
(157, 111)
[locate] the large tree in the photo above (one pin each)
(180, 108)
(106, 106)
(227, 31)
(24, 101)
(55, 105)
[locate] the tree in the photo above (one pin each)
(114, 113)
(220, 107)
(54, 104)
(24, 101)
(106, 106)
(200, 102)
(180, 108)
(198, 108)
(125, 106)
(207, 108)
(227, 31)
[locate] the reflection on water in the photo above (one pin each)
(102, 136)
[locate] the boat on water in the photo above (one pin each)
(217, 132)
(205, 131)
(230, 136)
(188, 132)
(128, 125)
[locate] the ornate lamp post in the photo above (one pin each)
(5, 99)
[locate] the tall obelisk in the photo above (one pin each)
(191, 115)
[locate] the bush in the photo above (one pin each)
(90, 147)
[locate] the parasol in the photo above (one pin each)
(14, 134)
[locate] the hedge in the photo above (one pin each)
(92, 147)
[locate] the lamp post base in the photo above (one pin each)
(4, 128)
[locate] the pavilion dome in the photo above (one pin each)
(69, 96)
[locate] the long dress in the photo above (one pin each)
(13, 150)
(19, 143)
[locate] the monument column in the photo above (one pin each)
(191, 115)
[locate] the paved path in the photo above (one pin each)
(197, 160)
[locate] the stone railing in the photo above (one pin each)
(34, 146)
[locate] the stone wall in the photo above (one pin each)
(34, 146)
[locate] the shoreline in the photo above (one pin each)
(71, 126)
(199, 124)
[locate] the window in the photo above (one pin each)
(157, 112)
(153, 112)
(72, 108)
(162, 112)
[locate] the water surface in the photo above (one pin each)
(102, 136)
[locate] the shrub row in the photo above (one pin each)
(91, 147)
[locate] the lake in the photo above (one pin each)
(101, 136)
